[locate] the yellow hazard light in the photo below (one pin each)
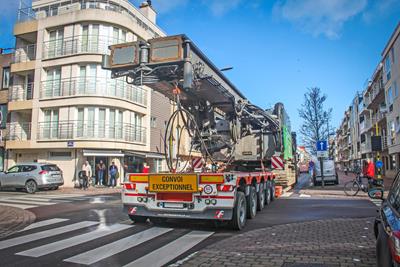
(211, 179)
(136, 178)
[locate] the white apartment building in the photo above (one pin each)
(64, 108)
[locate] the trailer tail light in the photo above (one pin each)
(225, 188)
(138, 178)
(130, 186)
(394, 245)
(211, 179)
(43, 172)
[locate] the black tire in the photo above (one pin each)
(239, 217)
(54, 188)
(337, 179)
(351, 188)
(261, 197)
(30, 187)
(268, 193)
(272, 190)
(383, 256)
(138, 219)
(251, 200)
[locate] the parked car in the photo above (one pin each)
(330, 174)
(32, 176)
(387, 228)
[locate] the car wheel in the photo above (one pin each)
(268, 193)
(383, 257)
(138, 219)
(337, 179)
(272, 190)
(261, 197)
(54, 188)
(239, 217)
(252, 203)
(31, 187)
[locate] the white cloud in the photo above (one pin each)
(319, 17)
(221, 7)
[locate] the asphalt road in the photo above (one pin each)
(70, 229)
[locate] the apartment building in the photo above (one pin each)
(64, 108)
(344, 142)
(391, 83)
(5, 82)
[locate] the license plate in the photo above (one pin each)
(173, 183)
(56, 176)
(168, 205)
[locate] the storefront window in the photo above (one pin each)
(133, 164)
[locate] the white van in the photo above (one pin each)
(330, 175)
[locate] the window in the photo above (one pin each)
(392, 54)
(14, 169)
(394, 197)
(27, 168)
(60, 154)
(153, 122)
(53, 83)
(6, 78)
(387, 68)
(50, 168)
(390, 96)
(50, 125)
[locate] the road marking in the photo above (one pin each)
(27, 202)
(102, 231)
(57, 196)
(304, 195)
(287, 194)
(44, 234)
(98, 254)
(21, 206)
(43, 223)
(172, 250)
(43, 199)
(377, 202)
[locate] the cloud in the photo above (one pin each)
(221, 7)
(319, 17)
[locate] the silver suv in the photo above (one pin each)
(32, 176)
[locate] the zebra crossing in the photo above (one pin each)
(58, 235)
(39, 200)
(376, 202)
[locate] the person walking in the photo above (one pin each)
(101, 169)
(87, 172)
(113, 171)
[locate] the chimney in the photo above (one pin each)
(148, 11)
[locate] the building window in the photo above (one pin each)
(390, 96)
(60, 154)
(153, 122)
(6, 78)
(393, 162)
(392, 54)
(387, 68)
(396, 90)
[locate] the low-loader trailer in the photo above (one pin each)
(246, 144)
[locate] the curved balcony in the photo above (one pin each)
(93, 86)
(91, 130)
(80, 44)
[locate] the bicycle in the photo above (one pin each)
(373, 188)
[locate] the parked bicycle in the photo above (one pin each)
(374, 188)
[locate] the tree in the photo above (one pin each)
(315, 119)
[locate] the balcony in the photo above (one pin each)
(20, 92)
(376, 118)
(365, 148)
(90, 130)
(25, 54)
(18, 131)
(93, 86)
(365, 125)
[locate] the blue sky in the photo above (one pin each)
(278, 48)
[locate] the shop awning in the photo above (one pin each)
(103, 153)
(148, 155)
(151, 155)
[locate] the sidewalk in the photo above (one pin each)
(13, 220)
(328, 243)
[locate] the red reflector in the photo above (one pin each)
(225, 188)
(130, 186)
(184, 197)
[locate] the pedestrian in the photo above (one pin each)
(101, 169)
(146, 168)
(113, 171)
(87, 172)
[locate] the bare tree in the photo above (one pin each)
(315, 118)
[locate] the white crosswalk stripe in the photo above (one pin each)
(20, 206)
(377, 202)
(34, 201)
(172, 250)
(73, 241)
(19, 201)
(44, 234)
(43, 223)
(111, 249)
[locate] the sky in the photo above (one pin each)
(279, 48)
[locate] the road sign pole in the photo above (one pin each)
(321, 162)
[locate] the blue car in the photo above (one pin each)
(387, 228)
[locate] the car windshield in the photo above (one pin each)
(50, 168)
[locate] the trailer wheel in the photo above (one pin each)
(272, 190)
(261, 197)
(251, 203)
(239, 217)
(138, 219)
(268, 193)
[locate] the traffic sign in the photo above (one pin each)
(322, 145)
(322, 154)
(379, 164)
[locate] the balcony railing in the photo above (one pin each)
(378, 117)
(91, 130)
(20, 92)
(93, 86)
(25, 54)
(18, 131)
(365, 148)
(97, 44)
